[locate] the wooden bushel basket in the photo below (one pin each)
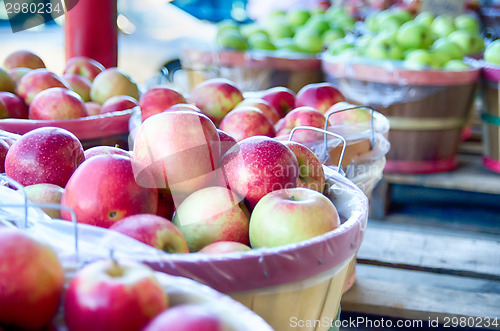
(106, 129)
(491, 117)
(251, 70)
(427, 109)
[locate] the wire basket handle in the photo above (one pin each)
(25, 205)
(325, 132)
(372, 134)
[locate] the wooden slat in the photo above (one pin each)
(436, 252)
(470, 176)
(393, 293)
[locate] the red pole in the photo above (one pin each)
(91, 31)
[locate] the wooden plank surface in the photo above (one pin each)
(422, 296)
(470, 176)
(433, 252)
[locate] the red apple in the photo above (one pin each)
(108, 295)
(181, 148)
(118, 103)
(103, 190)
(247, 121)
(79, 84)
(113, 82)
(281, 98)
(212, 214)
(44, 155)
(260, 165)
(215, 97)
(93, 108)
(157, 99)
(302, 116)
(222, 247)
(83, 66)
(31, 281)
(154, 231)
(23, 58)
(4, 148)
(46, 194)
(226, 142)
(7, 84)
(186, 317)
(318, 95)
(17, 73)
(16, 107)
(57, 104)
(355, 115)
(291, 215)
(36, 81)
(105, 150)
(311, 173)
(264, 106)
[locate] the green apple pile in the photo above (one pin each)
(28, 90)
(422, 42)
(299, 30)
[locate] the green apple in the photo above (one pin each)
(384, 47)
(492, 52)
(318, 23)
(346, 23)
(232, 40)
(227, 25)
(371, 22)
(332, 34)
(413, 35)
(287, 45)
(403, 14)
(252, 28)
(279, 28)
(467, 22)
(390, 24)
(420, 59)
(298, 16)
(339, 46)
(260, 41)
(456, 65)
(441, 57)
(443, 25)
(471, 42)
(308, 40)
(425, 18)
(448, 46)
(335, 12)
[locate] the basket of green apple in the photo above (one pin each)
(491, 115)
(411, 69)
(262, 220)
(282, 52)
(92, 102)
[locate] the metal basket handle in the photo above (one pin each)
(325, 132)
(20, 188)
(372, 135)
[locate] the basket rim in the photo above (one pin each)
(392, 72)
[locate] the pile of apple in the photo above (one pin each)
(28, 90)
(103, 295)
(421, 42)
(298, 30)
(207, 172)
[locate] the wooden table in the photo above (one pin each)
(443, 268)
